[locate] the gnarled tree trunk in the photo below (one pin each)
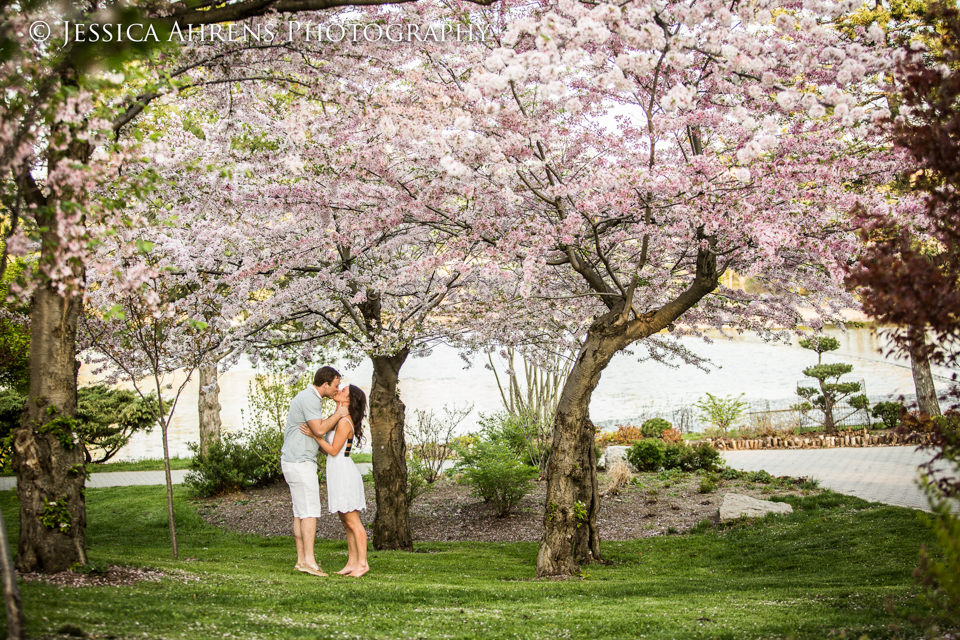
(391, 526)
(47, 457)
(570, 529)
(922, 376)
(572, 500)
(208, 404)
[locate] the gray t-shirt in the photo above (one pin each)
(306, 405)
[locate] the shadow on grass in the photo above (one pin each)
(835, 564)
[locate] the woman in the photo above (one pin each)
(345, 495)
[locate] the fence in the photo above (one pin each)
(760, 414)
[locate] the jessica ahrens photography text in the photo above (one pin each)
(286, 31)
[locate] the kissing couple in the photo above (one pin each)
(306, 433)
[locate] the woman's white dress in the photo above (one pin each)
(344, 482)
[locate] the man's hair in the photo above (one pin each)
(325, 375)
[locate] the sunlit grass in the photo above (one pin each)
(837, 564)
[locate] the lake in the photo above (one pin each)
(629, 390)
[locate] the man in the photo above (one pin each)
(298, 459)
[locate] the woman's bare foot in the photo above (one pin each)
(347, 570)
(360, 571)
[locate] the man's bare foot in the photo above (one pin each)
(359, 571)
(347, 570)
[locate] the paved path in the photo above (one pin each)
(877, 474)
(130, 478)
(116, 479)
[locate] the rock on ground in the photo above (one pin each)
(737, 505)
(611, 455)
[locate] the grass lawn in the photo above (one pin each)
(837, 567)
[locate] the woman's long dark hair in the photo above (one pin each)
(357, 408)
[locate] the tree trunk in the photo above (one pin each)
(587, 536)
(922, 376)
(16, 625)
(209, 407)
(171, 520)
(47, 456)
(391, 526)
(829, 426)
(569, 520)
(570, 532)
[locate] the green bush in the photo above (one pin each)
(524, 433)
(760, 477)
(702, 456)
(264, 443)
(707, 485)
(106, 420)
(238, 461)
(674, 455)
(496, 475)
(651, 454)
(647, 455)
(654, 428)
(417, 478)
(888, 413)
(228, 466)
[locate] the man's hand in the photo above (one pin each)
(342, 411)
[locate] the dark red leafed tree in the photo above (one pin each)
(910, 276)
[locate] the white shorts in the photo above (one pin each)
(304, 486)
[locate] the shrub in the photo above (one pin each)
(264, 443)
(647, 455)
(624, 435)
(673, 454)
(672, 435)
(431, 439)
(678, 455)
(654, 428)
(417, 479)
(238, 461)
(705, 456)
(492, 469)
(722, 413)
(227, 467)
(651, 454)
(917, 422)
(523, 432)
(727, 473)
(106, 420)
(707, 485)
(760, 477)
(888, 413)
(939, 570)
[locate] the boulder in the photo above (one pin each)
(611, 455)
(737, 505)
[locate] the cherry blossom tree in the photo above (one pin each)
(626, 156)
(63, 106)
(146, 333)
